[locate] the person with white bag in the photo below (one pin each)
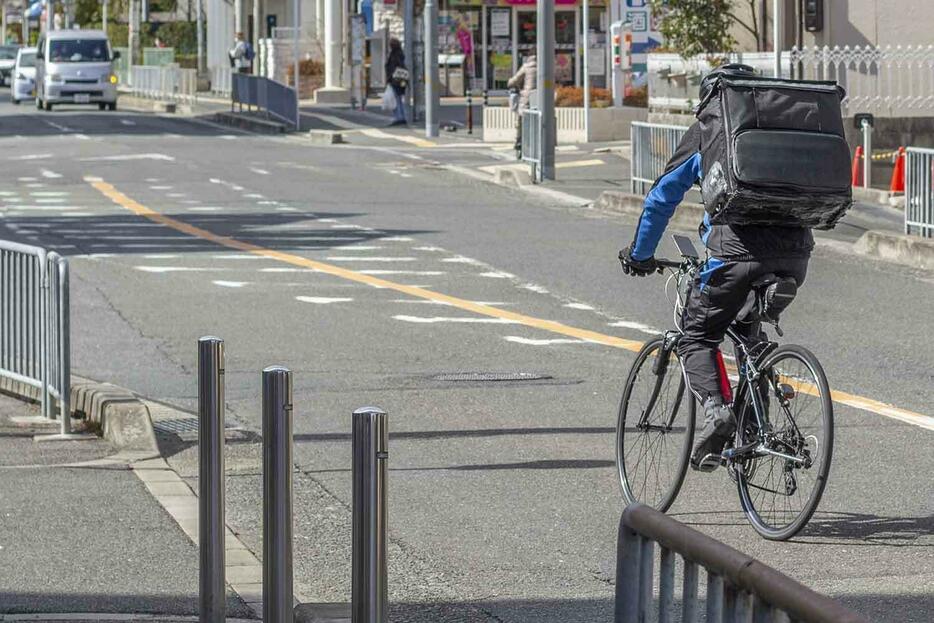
(398, 78)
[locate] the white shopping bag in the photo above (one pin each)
(389, 99)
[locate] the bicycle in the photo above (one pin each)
(778, 454)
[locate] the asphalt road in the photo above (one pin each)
(503, 495)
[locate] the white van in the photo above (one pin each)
(75, 67)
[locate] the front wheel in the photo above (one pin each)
(782, 481)
(655, 428)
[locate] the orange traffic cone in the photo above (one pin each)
(857, 177)
(898, 173)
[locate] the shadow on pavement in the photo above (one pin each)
(126, 234)
(454, 434)
(12, 602)
(25, 121)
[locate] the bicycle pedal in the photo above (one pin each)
(709, 463)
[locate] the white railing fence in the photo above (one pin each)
(653, 145)
(886, 81)
(169, 82)
(221, 80)
(919, 191)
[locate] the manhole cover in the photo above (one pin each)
(491, 376)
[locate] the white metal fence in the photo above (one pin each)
(35, 324)
(919, 191)
(653, 144)
(221, 80)
(531, 121)
(888, 82)
(168, 82)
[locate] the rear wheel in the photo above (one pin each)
(48, 106)
(781, 486)
(102, 106)
(655, 428)
(15, 102)
(38, 103)
(112, 106)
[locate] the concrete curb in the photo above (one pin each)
(244, 122)
(322, 613)
(124, 419)
(900, 248)
(325, 137)
(141, 103)
(687, 216)
(510, 175)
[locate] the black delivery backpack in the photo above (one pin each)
(773, 152)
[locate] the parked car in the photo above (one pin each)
(24, 76)
(75, 67)
(7, 60)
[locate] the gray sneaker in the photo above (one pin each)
(719, 426)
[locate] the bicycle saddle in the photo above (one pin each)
(769, 297)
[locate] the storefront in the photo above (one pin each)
(495, 36)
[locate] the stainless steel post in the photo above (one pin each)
(546, 87)
(277, 495)
(432, 92)
(64, 346)
(199, 24)
(212, 588)
(370, 436)
(586, 63)
(867, 152)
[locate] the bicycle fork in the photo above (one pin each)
(660, 369)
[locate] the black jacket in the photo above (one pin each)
(396, 59)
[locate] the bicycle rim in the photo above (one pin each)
(652, 461)
(778, 495)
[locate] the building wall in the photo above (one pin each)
(875, 22)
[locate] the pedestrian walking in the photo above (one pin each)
(398, 77)
(241, 55)
(525, 81)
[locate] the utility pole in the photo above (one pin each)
(408, 47)
(3, 22)
(199, 24)
(50, 16)
(297, 15)
(332, 44)
(432, 94)
(778, 19)
(259, 65)
(238, 15)
(104, 16)
(586, 39)
(133, 32)
(546, 85)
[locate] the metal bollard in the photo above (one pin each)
(212, 585)
(369, 599)
(277, 495)
(469, 112)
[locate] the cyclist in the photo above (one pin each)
(737, 256)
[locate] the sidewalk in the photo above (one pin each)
(83, 537)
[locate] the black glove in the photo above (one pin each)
(634, 267)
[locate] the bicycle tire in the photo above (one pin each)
(665, 496)
(757, 515)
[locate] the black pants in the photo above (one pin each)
(716, 297)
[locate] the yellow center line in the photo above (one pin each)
(109, 191)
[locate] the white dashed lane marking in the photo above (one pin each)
(322, 300)
(230, 284)
(545, 342)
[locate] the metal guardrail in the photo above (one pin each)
(268, 96)
(168, 82)
(653, 145)
(739, 587)
(221, 78)
(531, 120)
(35, 329)
(919, 191)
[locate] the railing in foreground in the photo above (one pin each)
(164, 82)
(271, 97)
(739, 587)
(220, 80)
(919, 191)
(35, 326)
(532, 141)
(653, 145)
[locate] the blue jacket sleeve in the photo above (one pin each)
(660, 205)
